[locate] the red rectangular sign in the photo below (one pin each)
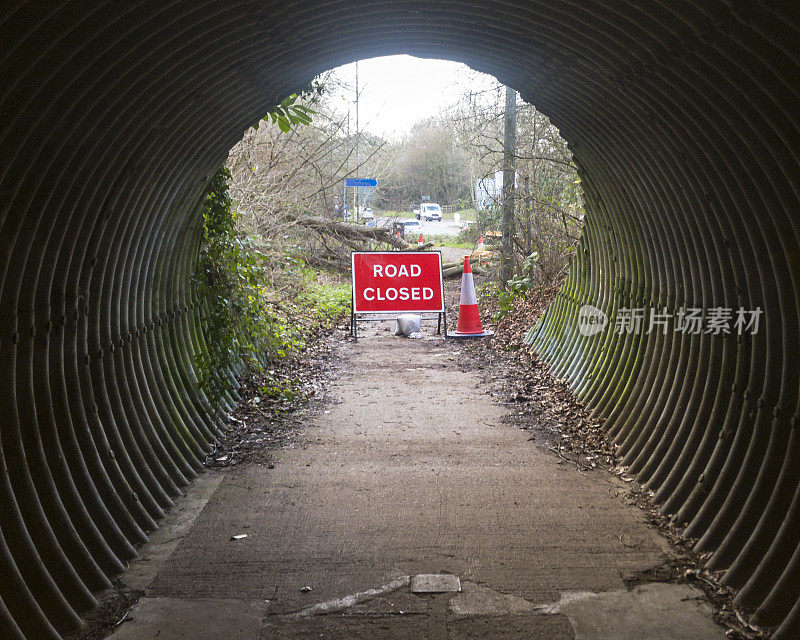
(397, 281)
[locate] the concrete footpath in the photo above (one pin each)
(409, 511)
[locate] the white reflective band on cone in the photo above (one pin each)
(468, 289)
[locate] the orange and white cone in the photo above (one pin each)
(480, 243)
(420, 242)
(469, 320)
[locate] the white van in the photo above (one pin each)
(429, 211)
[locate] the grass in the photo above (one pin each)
(395, 214)
(329, 300)
(449, 241)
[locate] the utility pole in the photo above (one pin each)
(357, 190)
(526, 207)
(331, 163)
(346, 164)
(509, 178)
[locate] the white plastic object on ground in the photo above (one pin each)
(407, 324)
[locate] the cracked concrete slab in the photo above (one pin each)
(341, 627)
(476, 599)
(654, 611)
(182, 619)
(435, 583)
(171, 530)
(514, 627)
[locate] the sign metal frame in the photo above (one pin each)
(380, 316)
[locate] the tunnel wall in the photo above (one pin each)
(683, 118)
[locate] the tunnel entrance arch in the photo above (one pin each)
(683, 121)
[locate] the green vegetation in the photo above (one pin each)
(454, 159)
(248, 323)
(517, 286)
(242, 328)
(396, 214)
(468, 237)
(450, 241)
(295, 110)
(261, 302)
(323, 296)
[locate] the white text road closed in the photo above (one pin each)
(395, 271)
(403, 293)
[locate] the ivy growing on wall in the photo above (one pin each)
(240, 327)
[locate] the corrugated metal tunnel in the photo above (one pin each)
(684, 118)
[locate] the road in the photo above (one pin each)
(410, 470)
(443, 228)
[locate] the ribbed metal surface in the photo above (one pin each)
(684, 121)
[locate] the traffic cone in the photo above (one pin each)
(480, 243)
(420, 242)
(469, 320)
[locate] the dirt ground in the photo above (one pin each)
(410, 467)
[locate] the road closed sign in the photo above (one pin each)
(395, 281)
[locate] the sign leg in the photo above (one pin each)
(353, 328)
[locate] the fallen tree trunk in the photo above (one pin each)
(460, 263)
(455, 272)
(353, 232)
(425, 247)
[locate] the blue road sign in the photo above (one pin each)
(360, 182)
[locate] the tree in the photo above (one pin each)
(509, 178)
(548, 207)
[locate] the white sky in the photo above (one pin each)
(398, 91)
